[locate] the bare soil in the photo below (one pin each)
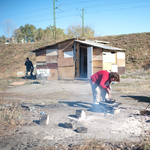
(61, 99)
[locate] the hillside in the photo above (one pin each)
(13, 56)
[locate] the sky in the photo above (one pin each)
(105, 17)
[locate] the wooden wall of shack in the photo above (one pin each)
(47, 59)
(54, 59)
(66, 66)
(77, 66)
(97, 59)
(62, 66)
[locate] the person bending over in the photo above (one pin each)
(100, 84)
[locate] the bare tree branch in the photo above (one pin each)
(9, 28)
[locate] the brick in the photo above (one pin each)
(44, 119)
(68, 125)
(80, 113)
(82, 130)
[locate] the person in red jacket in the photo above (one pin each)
(100, 84)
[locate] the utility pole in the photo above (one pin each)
(54, 19)
(82, 16)
(82, 22)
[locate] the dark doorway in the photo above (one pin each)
(83, 62)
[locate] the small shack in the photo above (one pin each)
(78, 58)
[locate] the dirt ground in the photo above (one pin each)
(61, 99)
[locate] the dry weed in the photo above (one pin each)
(11, 115)
(102, 145)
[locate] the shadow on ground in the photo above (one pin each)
(29, 77)
(84, 105)
(139, 98)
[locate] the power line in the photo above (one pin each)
(62, 17)
(78, 3)
(113, 4)
(29, 11)
(121, 9)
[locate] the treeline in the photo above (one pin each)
(29, 33)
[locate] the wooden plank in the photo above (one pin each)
(41, 66)
(121, 70)
(51, 59)
(53, 74)
(97, 51)
(120, 55)
(97, 69)
(51, 52)
(41, 53)
(17, 83)
(40, 63)
(97, 57)
(77, 62)
(97, 63)
(121, 62)
(52, 66)
(107, 66)
(66, 73)
(66, 46)
(41, 58)
(114, 68)
(65, 62)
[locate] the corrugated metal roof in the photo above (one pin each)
(53, 44)
(104, 46)
(87, 42)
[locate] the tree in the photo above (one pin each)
(48, 33)
(2, 39)
(40, 34)
(60, 34)
(75, 31)
(88, 32)
(28, 32)
(19, 36)
(9, 27)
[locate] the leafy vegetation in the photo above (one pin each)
(29, 33)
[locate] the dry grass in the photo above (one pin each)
(102, 145)
(137, 46)
(13, 56)
(132, 84)
(11, 115)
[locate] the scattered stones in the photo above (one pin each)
(44, 119)
(80, 114)
(68, 125)
(144, 112)
(81, 130)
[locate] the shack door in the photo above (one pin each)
(89, 61)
